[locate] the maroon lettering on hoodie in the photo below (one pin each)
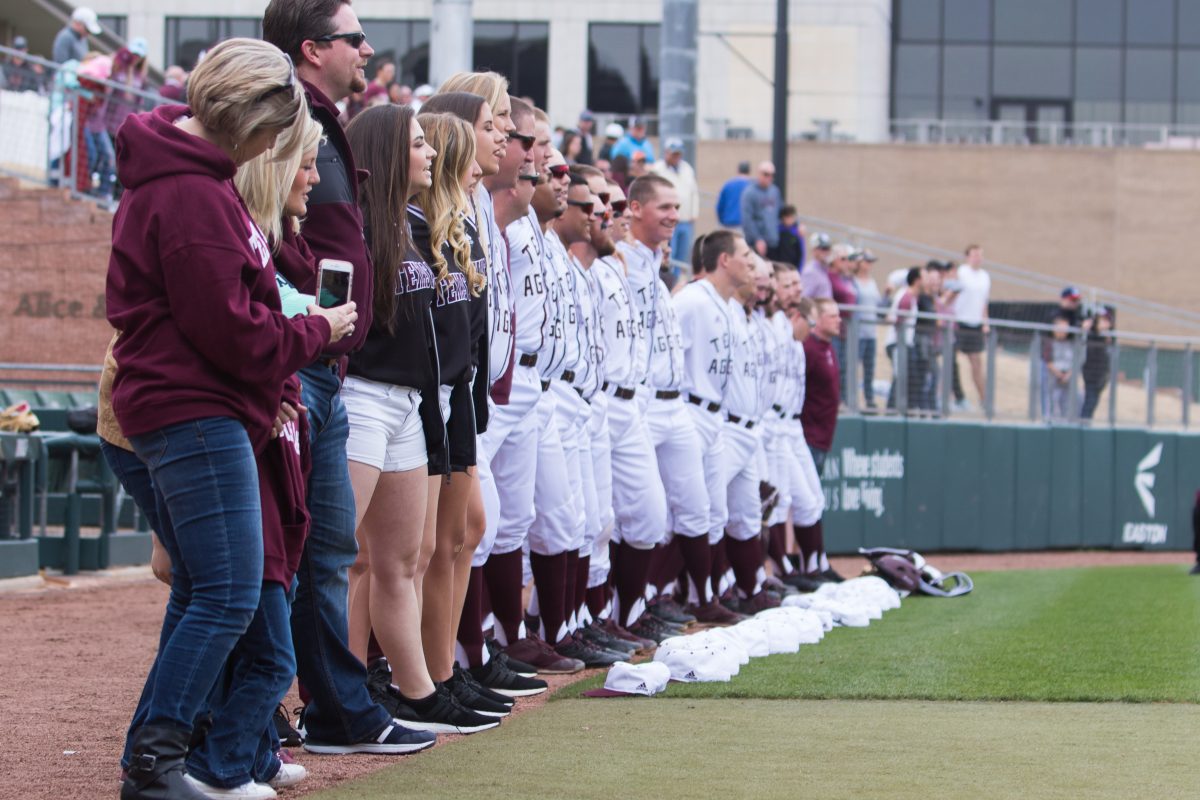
(191, 286)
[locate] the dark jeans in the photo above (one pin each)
(339, 709)
(1091, 398)
(134, 478)
(242, 743)
(866, 362)
(818, 459)
(102, 159)
(210, 522)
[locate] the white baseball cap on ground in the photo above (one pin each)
(783, 637)
(805, 622)
(754, 635)
(628, 680)
(88, 18)
(695, 666)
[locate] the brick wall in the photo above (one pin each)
(53, 259)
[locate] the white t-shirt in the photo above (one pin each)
(970, 307)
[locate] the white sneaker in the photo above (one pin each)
(247, 791)
(288, 775)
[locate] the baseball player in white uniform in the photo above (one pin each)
(638, 497)
(708, 326)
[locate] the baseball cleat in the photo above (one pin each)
(495, 675)
(666, 609)
(541, 656)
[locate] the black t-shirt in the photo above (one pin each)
(451, 307)
(405, 356)
(480, 331)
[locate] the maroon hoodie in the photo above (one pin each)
(192, 289)
(283, 469)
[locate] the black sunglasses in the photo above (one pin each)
(604, 197)
(585, 205)
(619, 206)
(355, 40)
(532, 177)
(558, 170)
(527, 142)
(291, 81)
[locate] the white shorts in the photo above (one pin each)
(385, 425)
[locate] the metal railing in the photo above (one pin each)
(1054, 134)
(907, 363)
(59, 127)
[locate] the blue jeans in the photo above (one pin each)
(241, 745)
(339, 709)
(134, 478)
(102, 159)
(866, 362)
(681, 242)
(210, 522)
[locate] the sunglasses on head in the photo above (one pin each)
(527, 142)
(619, 206)
(584, 205)
(532, 177)
(291, 81)
(558, 170)
(355, 40)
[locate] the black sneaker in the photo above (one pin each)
(446, 715)
(288, 736)
(520, 667)
(602, 639)
(653, 628)
(804, 583)
(666, 609)
(592, 656)
(460, 685)
(483, 690)
(498, 677)
(831, 576)
(382, 692)
(394, 739)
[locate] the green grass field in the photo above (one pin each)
(920, 703)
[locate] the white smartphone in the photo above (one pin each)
(335, 279)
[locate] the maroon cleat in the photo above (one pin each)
(611, 627)
(535, 652)
(713, 613)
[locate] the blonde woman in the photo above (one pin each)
(203, 356)
(443, 231)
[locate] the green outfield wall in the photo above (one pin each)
(939, 485)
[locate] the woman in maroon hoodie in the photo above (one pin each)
(204, 353)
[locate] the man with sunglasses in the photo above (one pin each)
(326, 43)
(526, 456)
(577, 385)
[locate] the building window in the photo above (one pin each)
(520, 51)
(1120, 61)
(623, 68)
(188, 37)
(405, 43)
(115, 23)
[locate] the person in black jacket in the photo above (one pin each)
(398, 371)
(790, 249)
(1096, 364)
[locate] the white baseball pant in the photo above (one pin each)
(742, 448)
(572, 414)
(639, 501)
(709, 425)
(681, 465)
(602, 482)
(808, 498)
(506, 424)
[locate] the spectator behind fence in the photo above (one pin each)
(902, 327)
(19, 75)
(968, 288)
(1058, 355)
(129, 68)
(612, 134)
(679, 172)
(174, 85)
(790, 248)
(634, 141)
(586, 126)
(760, 210)
(101, 157)
(71, 43)
(869, 297)
(815, 275)
(729, 201)
(821, 380)
(1097, 365)
(845, 293)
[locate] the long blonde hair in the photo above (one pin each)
(491, 86)
(264, 182)
(445, 203)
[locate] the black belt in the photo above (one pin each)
(778, 409)
(528, 360)
(796, 417)
(580, 391)
(568, 375)
(619, 392)
(666, 395)
(545, 386)
(748, 424)
(700, 401)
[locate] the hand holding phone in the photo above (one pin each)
(341, 319)
(335, 280)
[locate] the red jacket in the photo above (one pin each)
(191, 287)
